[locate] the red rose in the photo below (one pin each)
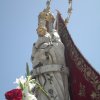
(15, 94)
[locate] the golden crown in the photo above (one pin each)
(46, 14)
(46, 18)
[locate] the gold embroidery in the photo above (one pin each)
(88, 73)
(82, 90)
(93, 95)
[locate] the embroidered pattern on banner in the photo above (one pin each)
(82, 66)
(82, 90)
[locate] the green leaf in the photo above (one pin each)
(39, 87)
(21, 85)
(27, 70)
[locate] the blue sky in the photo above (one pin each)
(18, 23)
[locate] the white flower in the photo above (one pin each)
(28, 88)
(29, 96)
(21, 79)
(31, 86)
(26, 84)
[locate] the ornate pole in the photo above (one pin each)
(69, 11)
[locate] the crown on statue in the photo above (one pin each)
(46, 18)
(46, 15)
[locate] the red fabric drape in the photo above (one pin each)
(84, 81)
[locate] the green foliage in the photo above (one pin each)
(21, 85)
(27, 70)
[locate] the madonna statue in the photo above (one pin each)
(48, 60)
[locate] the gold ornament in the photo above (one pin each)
(41, 30)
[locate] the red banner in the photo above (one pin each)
(84, 81)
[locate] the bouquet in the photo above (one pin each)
(24, 90)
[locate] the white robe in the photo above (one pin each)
(52, 74)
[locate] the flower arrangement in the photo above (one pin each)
(24, 90)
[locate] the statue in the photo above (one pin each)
(49, 54)
(48, 60)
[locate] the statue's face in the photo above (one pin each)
(41, 31)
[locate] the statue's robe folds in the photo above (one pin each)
(49, 69)
(84, 81)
